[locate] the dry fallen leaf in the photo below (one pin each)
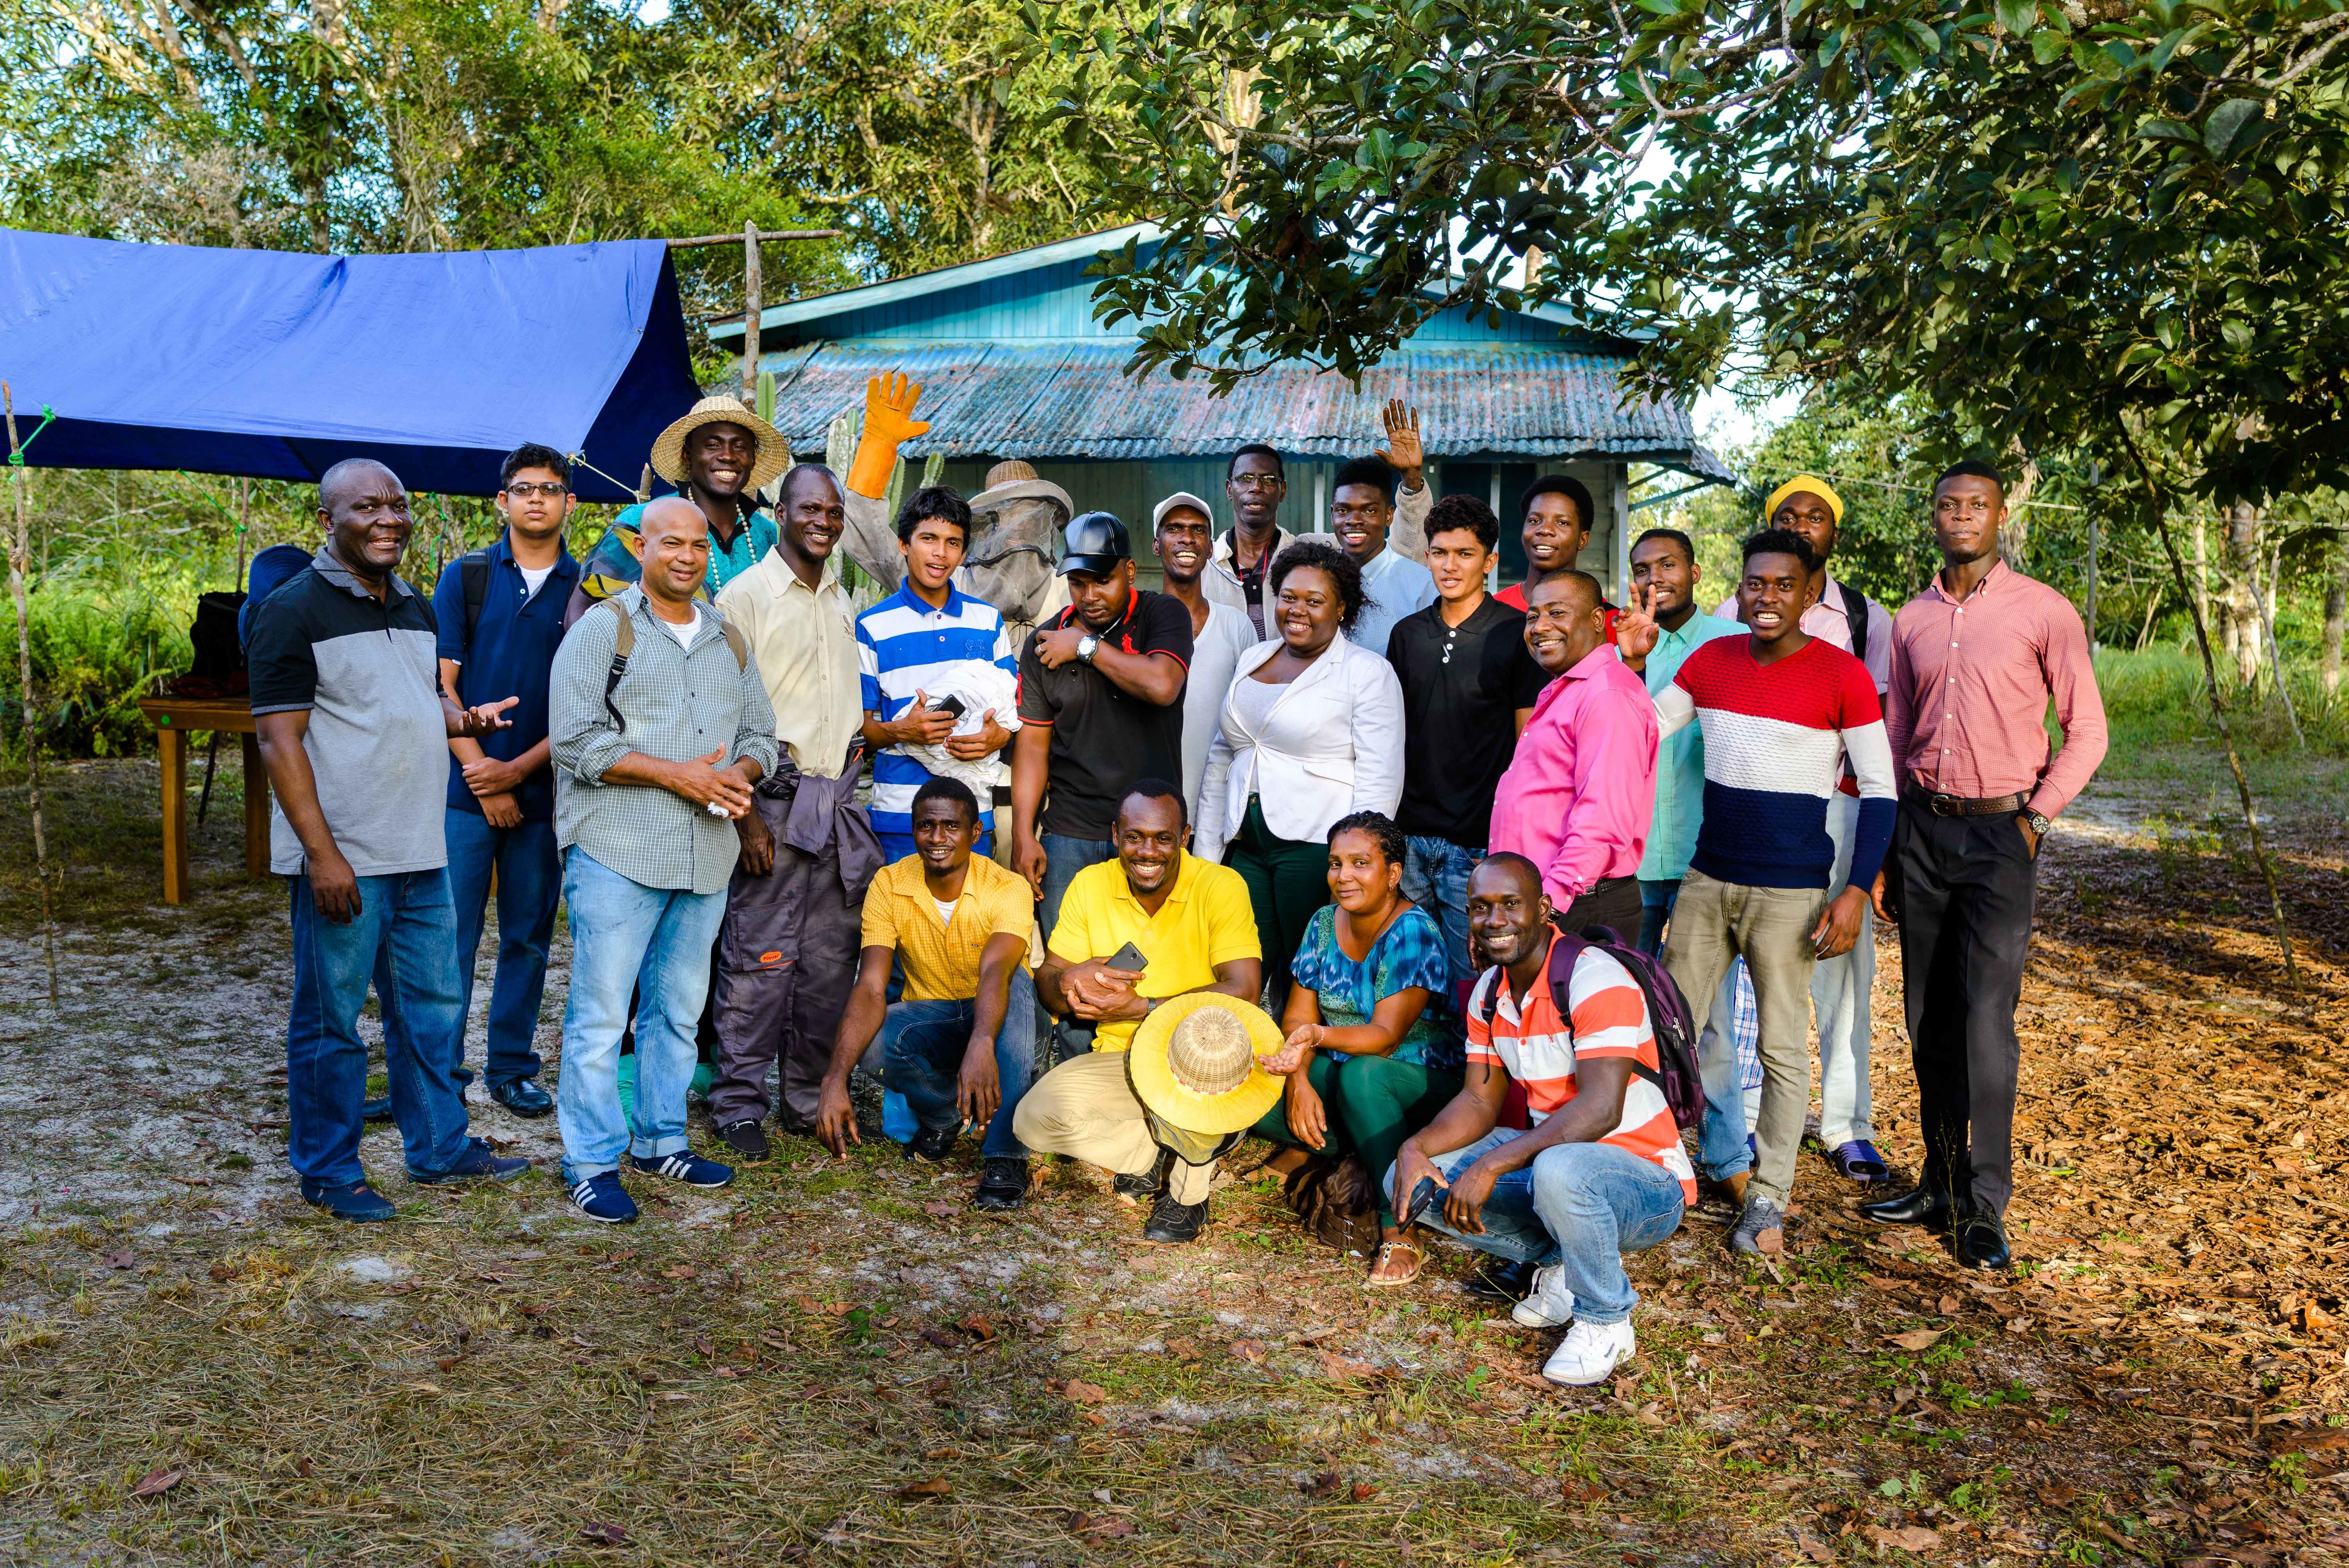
(936, 1486)
(1345, 1369)
(1247, 1349)
(1811, 1547)
(1907, 1538)
(1915, 1339)
(193, 1181)
(1323, 1485)
(976, 1325)
(120, 1259)
(1076, 1390)
(939, 1209)
(943, 1338)
(680, 1271)
(1364, 1492)
(943, 1454)
(605, 1534)
(1183, 1349)
(1574, 1490)
(157, 1481)
(1948, 1303)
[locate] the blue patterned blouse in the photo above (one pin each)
(1409, 953)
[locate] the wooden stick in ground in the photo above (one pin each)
(751, 305)
(19, 551)
(2217, 703)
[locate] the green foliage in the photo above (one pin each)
(94, 656)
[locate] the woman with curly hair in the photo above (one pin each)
(1374, 1047)
(1312, 731)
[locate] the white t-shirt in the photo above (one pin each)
(684, 634)
(946, 907)
(533, 580)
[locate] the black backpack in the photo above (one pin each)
(219, 651)
(1669, 1018)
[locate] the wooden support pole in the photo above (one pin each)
(20, 549)
(171, 743)
(751, 305)
(763, 234)
(256, 808)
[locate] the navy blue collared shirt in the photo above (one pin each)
(511, 653)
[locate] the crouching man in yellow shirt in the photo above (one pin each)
(960, 1047)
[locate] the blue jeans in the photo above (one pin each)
(925, 1041)
(1063, 858)
(624, 934)
(1656, 900)
(530, 879)
(1435, 877)
(404, 937)
(1581, 1205)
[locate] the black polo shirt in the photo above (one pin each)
(1104, 738)
(1461, 687)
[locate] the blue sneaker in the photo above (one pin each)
(355, 1200)
(601, 1199)
(477, 1161)
(685, 1166)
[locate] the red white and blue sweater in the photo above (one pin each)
(1774, 739)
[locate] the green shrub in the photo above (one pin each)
(96, 651)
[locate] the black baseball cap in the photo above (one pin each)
(1097, 542)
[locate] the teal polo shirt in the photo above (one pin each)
(1680, 760)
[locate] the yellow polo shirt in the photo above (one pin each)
(1205, 921)
(941, 957)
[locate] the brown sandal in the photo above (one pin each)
(1387, 1247)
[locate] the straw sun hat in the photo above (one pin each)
(1194, 1062)
(1013, 480)
(774, 455)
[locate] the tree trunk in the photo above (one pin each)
(2336, 610)
(2014, 538)
(2201, 589)
(2155, 515)
(2093, 534)
(2240, 619)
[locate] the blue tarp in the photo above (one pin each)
(279, 365)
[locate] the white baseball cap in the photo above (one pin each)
(1182, 498)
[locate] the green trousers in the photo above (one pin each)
(1287, 881)
(1373, 1104)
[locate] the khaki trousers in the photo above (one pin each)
(1713, 922)
(1086, 1109)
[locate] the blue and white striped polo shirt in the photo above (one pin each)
(905, 646)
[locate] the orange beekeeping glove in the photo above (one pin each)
(888, 421)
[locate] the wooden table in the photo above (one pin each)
(174, 718)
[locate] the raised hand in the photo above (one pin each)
(1636, 630)
(475, 722)
(889, 408)
(1402, 452)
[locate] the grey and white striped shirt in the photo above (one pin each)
(679, 704)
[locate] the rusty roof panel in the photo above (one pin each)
(1071, 400)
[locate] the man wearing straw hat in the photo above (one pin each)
(1150, 1107)
(720, 456)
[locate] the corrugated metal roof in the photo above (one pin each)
(1071, 400)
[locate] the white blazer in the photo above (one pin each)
(1331, 746)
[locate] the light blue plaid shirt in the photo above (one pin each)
(679, 704)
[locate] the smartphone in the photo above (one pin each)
(1128, 957)
(952, 707)
(1423, 1198)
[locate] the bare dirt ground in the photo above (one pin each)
(837, 1362)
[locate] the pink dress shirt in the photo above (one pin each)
(1578, 795)
(1967, 712)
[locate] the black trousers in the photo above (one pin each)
(1963, 887)
(1614, 902)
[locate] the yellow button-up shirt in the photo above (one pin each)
(805, 642)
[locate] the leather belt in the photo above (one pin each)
(1962, 806)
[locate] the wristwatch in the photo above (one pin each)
(2039, 824)
(1085, 646)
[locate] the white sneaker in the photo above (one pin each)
(1549, 1303)
(1589, 1352)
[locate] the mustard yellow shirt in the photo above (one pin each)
(1205, 921)
(941, 957)
(805, 642)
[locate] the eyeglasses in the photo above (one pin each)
(1258, 481)
(525, 491)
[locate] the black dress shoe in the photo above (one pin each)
(378, 1110)
(1921, 1205)
(1149, 1184)
(1172, 1223)
(1499, 1280)
(1980, 1242)
(1004, 1186)
(746, 1137)
(523, 1097)
(931, 1145)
